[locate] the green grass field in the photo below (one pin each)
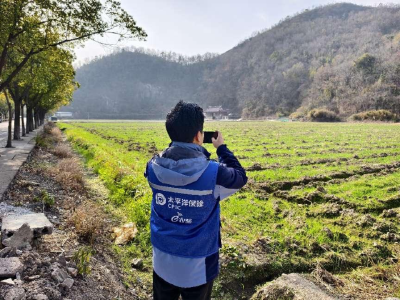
(318, 194)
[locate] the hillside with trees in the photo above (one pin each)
(341, 57)
(137, 84)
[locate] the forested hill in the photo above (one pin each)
(342, 57)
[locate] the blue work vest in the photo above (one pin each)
(185, 220)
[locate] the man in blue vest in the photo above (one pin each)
(185, 213)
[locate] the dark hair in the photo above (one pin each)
(184, 121)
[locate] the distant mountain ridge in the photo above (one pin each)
(342, 57)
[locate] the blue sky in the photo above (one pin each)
(198, 26)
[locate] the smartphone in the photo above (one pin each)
(208, 135)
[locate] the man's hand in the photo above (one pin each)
(218, 141)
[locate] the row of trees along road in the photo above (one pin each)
(37, 38)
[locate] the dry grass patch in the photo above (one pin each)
(48, 127)
(375, 115)
(62, 151)
(88, 221)
(377, 282)
(50, 137)
(56, 134)
(68, 172)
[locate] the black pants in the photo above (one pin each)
(163, 290)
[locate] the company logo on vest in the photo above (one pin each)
(160, 199)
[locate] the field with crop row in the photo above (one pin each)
(318, 194)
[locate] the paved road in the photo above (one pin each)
(12, 158)
(3, 133)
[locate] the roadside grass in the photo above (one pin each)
(374, 282)
(265, 233)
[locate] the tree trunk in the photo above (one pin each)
(17, 119)
(22, 120)
(27, 129)
(29, 119)
(36, 117)
(9, 138)
(42, 116)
